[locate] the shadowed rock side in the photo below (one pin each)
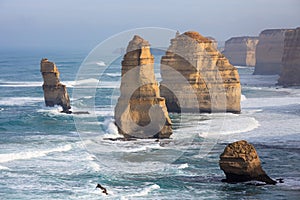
(269, 52)
(241, 50)
(140, 111)
(240, 163)
(290, 74)
(55, 93)
(197, 77)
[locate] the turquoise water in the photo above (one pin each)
(44, 156)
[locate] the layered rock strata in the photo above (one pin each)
(290, 74)
(241, 50)
(269, 52)
(141, 111)
(196, 77)
(55, 93)
(240, 163)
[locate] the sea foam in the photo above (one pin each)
(31, 154)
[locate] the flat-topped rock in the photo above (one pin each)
(241, 50)
(197, 77)
(269, 52)
(240, 163)
(141, 111)
(55, 93)
(290, 74)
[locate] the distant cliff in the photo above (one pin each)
(140, 111)
(269, 52)
(290, 74)
(241, 50)
(196, 77)
(55, 93)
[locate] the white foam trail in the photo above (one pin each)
(95, 166)
(20, 101)
(243, 97)
(101, 63)
(4, 168)
(31, 154)
(183, 166)
(21, 84)
(231, 125)
(144, 192)
(114, 74)
(241, 67)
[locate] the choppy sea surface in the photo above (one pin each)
(44, 156)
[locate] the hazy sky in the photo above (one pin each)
(84, 23)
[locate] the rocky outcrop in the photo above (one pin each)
(214, 42)
(240, 163)
(196, 77)
(241, 50)
(140, 111)
(55, 93)
(269, 52)
(290, 74)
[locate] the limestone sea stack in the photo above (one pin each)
(269, 52)
(290, 74)
(140, 111)
(240, 163)
(197, 77)
(55, 93)
(241, 50)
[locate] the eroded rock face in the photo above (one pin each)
(241, 50)
(140, 111)
(196, 77)
(290, 74)
(269, 52)
(240, 163)
(55, 93)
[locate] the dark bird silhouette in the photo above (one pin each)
(102, 188)
(280, 180)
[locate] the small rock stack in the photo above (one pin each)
(55, 93)
(240, 163)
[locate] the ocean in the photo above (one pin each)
(45, 154)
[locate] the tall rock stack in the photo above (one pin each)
(55, 93)
(211, 83)
(269, 52)
(290, 74)
(241, 50)
(140, 111)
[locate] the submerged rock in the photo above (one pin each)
(241, 50)
(290, 74)
(269, 51)
(197, 77)
(141, 111)
(240, 163)
(55, 93)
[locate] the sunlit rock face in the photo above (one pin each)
(140, 111)
(196, 77)
(290, 74)
(55, 93)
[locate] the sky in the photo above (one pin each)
(82, 24)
